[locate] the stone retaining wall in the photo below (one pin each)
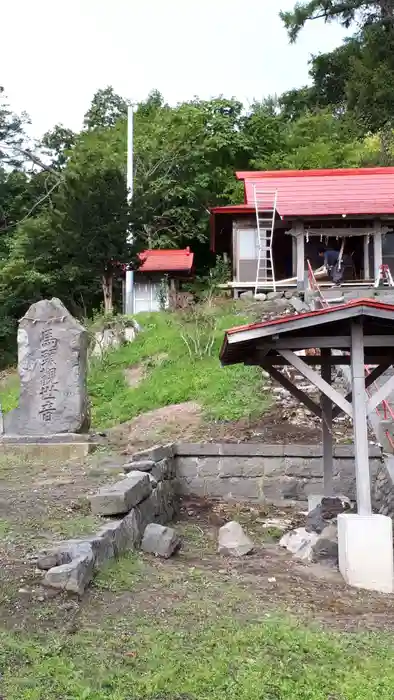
(146, 494)
(258, 472)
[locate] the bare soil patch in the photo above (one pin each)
(40, 503)
(163, 425)
(185, 422)
(134, 376)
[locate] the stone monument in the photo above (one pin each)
(52, 366)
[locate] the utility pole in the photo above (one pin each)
(129, 287)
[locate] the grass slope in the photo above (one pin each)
(226, 393)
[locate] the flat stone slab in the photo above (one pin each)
(121, 497)
(58, 438)
(160, 540)
(51, 451)
(144, 465)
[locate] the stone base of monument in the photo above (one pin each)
(62, 446)
(365, 545)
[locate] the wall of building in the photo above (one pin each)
(246, 246)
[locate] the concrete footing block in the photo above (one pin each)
(365, 544)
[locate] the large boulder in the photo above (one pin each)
(233, 541)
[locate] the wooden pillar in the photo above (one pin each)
(326, 405)
(377, 248)
(366, 257)
(294, 255)
(360, 428)
(300, 237)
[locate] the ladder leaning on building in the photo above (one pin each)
(265, 202)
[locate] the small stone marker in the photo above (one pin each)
(52, 365)
(123, 496)
(233, 541)
(160, 541)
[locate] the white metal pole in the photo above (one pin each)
(129, 291)
(130, 153)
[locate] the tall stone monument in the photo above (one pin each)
(52, 365)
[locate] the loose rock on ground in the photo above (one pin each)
(160, 540)
(233, 541)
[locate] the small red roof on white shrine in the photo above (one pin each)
(358, 191)
(166, 260)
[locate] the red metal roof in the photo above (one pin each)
(362, 191)
(310, 314)
(324, 192)
(279, 324)
(166, 260)
(234, 209)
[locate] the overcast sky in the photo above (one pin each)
(56, 53)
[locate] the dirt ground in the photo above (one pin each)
(40, 503)
(286, 424)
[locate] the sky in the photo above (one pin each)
(56, 53)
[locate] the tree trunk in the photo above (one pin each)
(107, 286)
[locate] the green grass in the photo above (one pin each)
(224, 393)
(197, 647)
(9, 392)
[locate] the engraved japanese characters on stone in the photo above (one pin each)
(52, 365)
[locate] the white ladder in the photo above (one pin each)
(265, 205)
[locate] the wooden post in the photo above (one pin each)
(294, 256)
(366, 257)
(300, 256)
(326, 405)
(377, 248)
(360, 429)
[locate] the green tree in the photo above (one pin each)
(91, 215)
(185, 159)
(357, 77)
(347, 12)
(11, 133)
(57, 144)
(106, 109)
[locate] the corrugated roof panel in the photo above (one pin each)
(166, 260)
(365, 191)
